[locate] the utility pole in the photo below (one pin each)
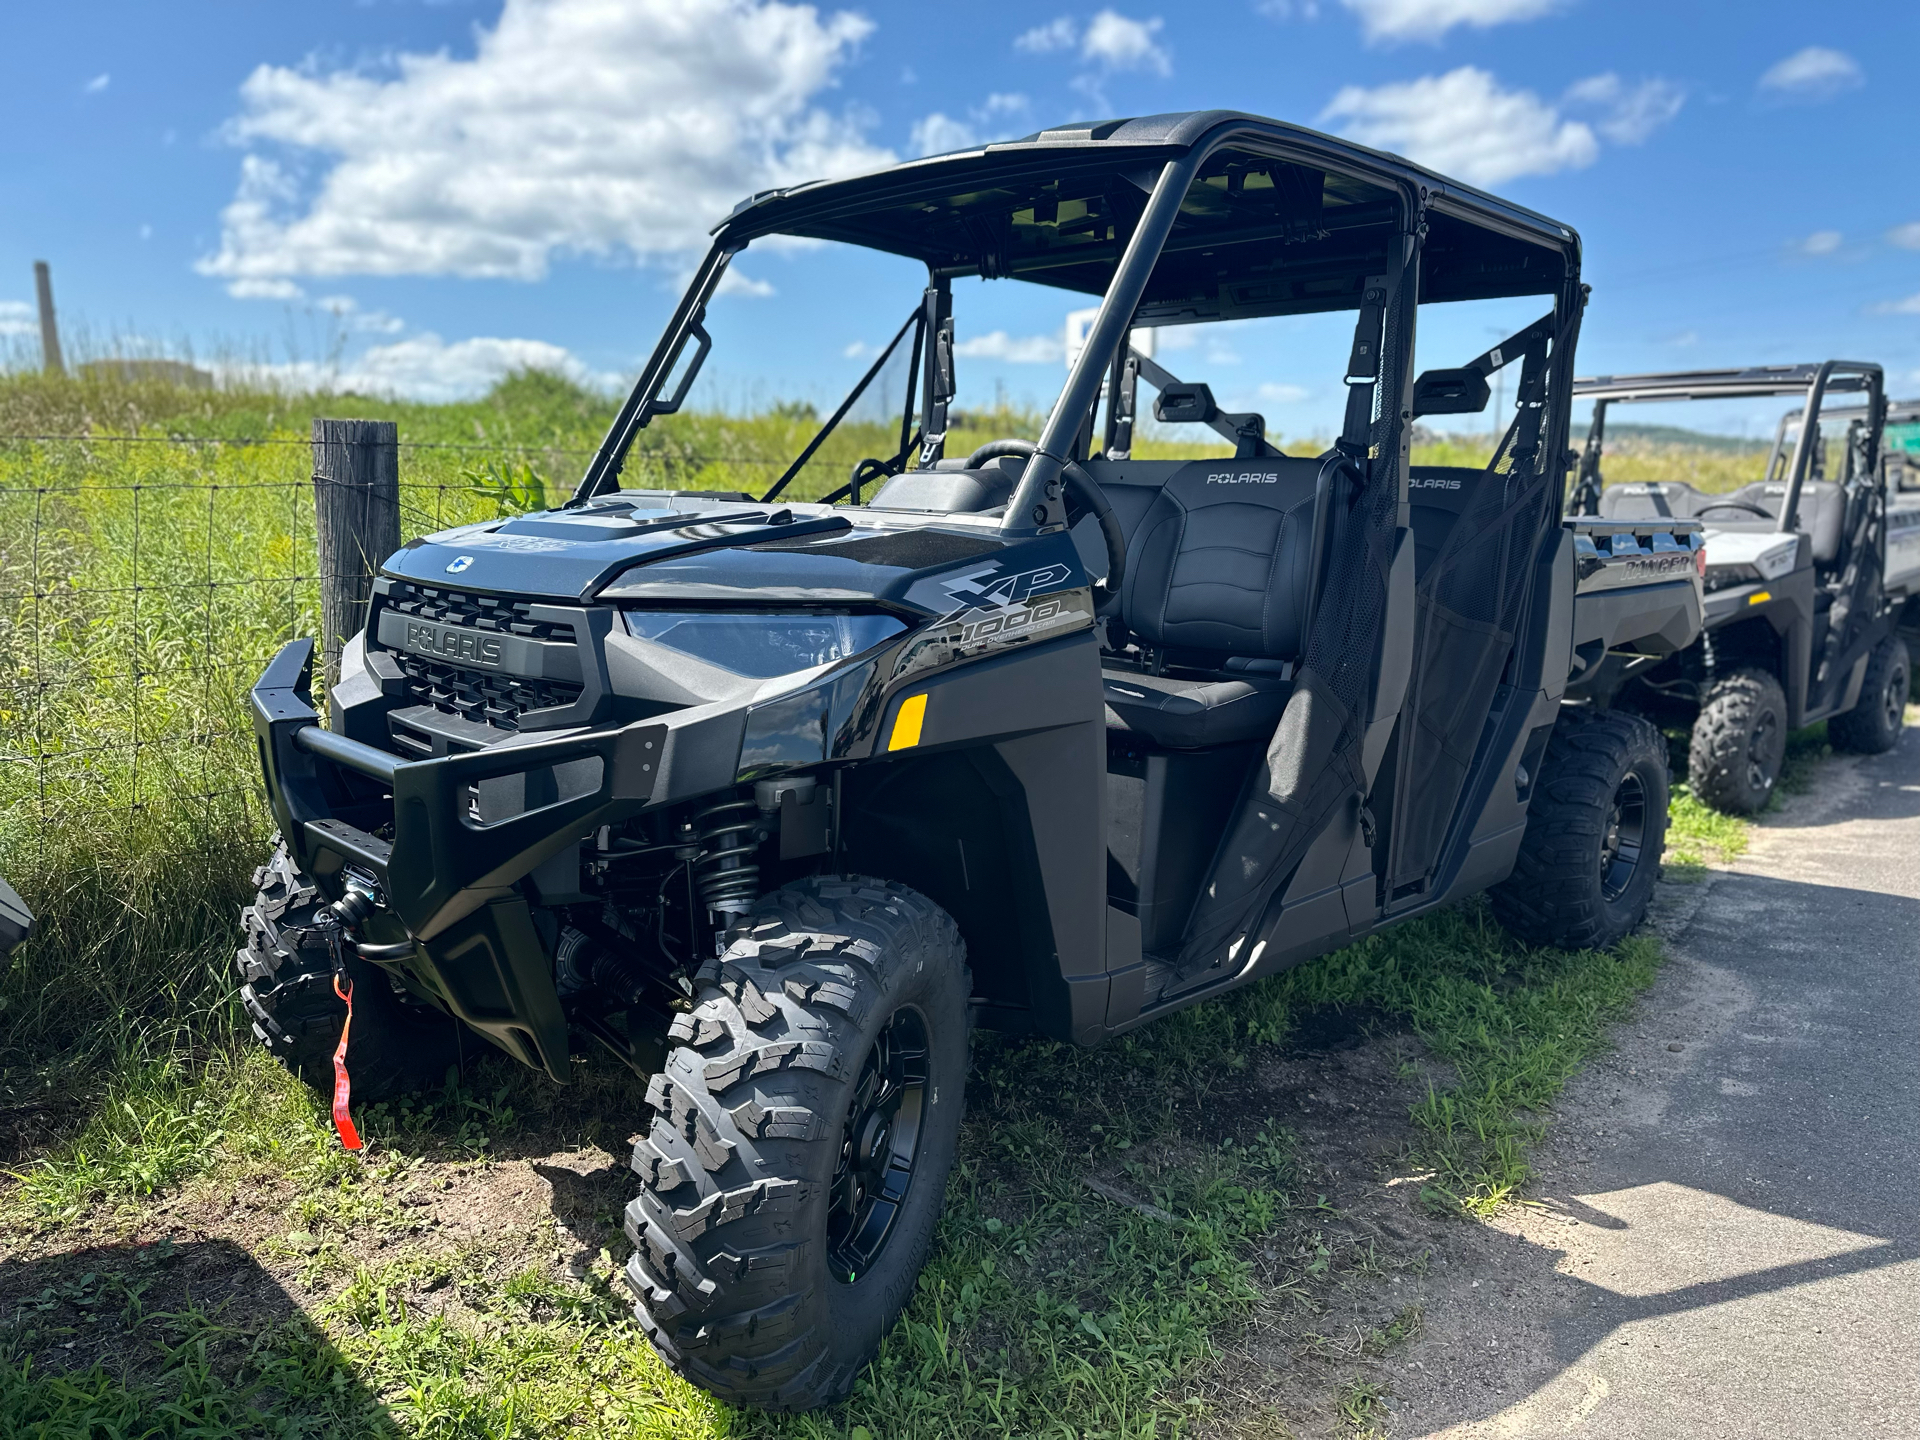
(49, 331)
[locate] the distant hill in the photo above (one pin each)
(1661, 437)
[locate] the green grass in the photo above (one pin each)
(147, 604)
(1047, 1310)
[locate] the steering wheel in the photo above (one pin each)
(1736, 505)
(1093, 501)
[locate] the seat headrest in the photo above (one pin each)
(1822, 513)
(1651, 500)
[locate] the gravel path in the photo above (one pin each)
(1729, 1239)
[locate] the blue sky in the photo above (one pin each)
(418, 194)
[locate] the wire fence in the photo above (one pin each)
(146, 580)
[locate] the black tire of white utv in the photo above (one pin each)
(1556, 895)
(395, 1046)
(1720, 759)
(1873, 726)
(730, 1228)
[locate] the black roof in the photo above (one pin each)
(1758, 380)
(1280, 219)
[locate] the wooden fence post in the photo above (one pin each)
(356, 503)
(50, 360)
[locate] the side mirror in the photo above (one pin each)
(1185, 404)
(1450, 392)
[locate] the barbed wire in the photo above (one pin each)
(251, 441)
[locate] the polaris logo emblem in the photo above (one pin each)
(1435, 483)
(451, 643)
(1244, 477)
(460, 562)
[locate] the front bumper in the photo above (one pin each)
(448, 874)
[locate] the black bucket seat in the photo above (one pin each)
(1220, 574)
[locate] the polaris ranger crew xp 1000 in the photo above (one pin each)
(1806, 578)
(774, 800)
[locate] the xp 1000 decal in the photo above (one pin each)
(996, 608)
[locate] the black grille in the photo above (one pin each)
(478, 612)
(480, 695)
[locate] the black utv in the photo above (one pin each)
(775, 800)
(1808, 569)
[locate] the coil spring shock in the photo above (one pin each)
(725, 875)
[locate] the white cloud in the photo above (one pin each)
(1431, 19)
(1118, 43)
(1061, 34)
(1021, 350)
(859, 350)
(1908, 306)
(1820, 242)
(1463, 124)
(735, 282)
(1629, 114)
(1815, 73)
(17, 318)
(1000, 118)
(347, 311)
(577, 127)
(1907, 236)
(1110, 44)
(939, 133)
(262, 288)
(97, 84)
(1288, 9)
(1276, 393)
(425, 367)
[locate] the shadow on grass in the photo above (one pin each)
(167, 1340)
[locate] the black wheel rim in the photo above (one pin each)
(1626, 833)
(878, 1146)
(1895, 700)
(1760, 747)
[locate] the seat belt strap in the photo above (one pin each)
(1363, 372)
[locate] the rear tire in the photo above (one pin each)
(1595, 828)
(396, 1046)
(768, 1270)
(1873, 726)
(1739, 743)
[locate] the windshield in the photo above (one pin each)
(827, 359)
(1716, 447)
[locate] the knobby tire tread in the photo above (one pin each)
(287, 991)
(1717, 752)
(1554, 895)
(729, 1230)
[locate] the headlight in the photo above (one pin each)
(761, 645)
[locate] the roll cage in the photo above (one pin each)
(1171, 219)
(1815, 382)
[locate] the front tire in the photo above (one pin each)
(287, 972)
(1873, 726)
(1595, 829)
(803, 1129)
(1739, 743)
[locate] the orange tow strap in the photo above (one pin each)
(342, 1087)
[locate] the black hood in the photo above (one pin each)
(570, 554)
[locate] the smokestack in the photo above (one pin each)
(49, 331)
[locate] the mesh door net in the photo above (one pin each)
(1467, 610)
(1313, 764)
